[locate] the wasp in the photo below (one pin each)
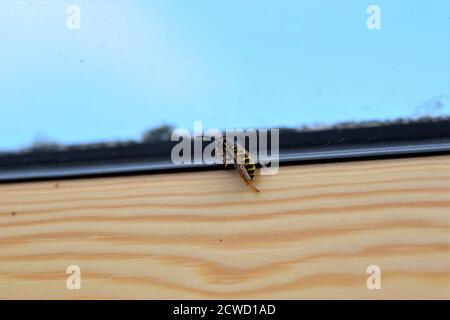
(242, 161)
(241, 158)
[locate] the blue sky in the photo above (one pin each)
(138, 64)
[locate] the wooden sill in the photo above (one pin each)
(311, 233)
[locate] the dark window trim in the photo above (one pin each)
(340, 143)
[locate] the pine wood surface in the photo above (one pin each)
(310, 233)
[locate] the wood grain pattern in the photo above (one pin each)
(311, 233)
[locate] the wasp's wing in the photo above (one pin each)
(243, 172)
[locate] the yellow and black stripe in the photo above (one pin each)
(250, 167)
(241, 156)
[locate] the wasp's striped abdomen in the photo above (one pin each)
(243, 162)
(250, 167)
(243, 157)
